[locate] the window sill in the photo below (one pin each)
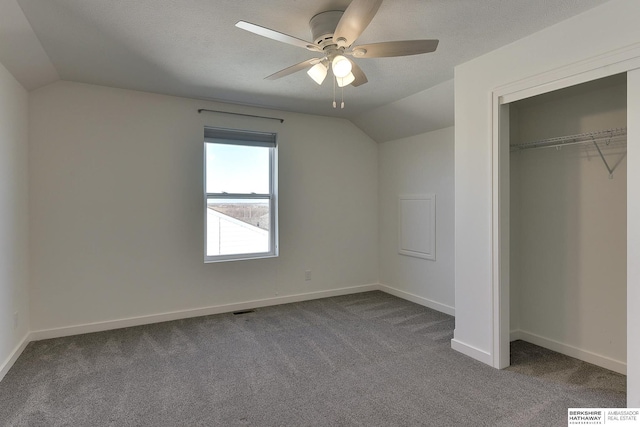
(243, 257)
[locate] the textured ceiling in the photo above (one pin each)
(191, 48)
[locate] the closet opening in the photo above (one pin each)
(566, 232)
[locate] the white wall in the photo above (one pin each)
(14, 295)
(633, 241)
(418, 165)
(568, 249)
(597, 31)
(117, 208)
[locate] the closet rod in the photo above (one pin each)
(241, 114)
(610, 135)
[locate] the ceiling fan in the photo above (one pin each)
(334, 33)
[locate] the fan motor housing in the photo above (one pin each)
(323, 25)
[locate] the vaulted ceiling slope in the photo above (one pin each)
(191, 48)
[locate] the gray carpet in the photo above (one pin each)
(368, 359)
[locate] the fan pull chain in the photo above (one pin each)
(342, 104)
(334, 92)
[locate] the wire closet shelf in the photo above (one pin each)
(607, 137)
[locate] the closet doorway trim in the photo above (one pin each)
(614, 62)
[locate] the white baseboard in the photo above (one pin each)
(516, 335)
(185, 314)
(569, 350)
(418, 300)
(471, 351)
(86, 328)
(7, 364)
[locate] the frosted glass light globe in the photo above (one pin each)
(343, 81)
(341, 66)
(318, 72)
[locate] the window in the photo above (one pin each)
(241, 209)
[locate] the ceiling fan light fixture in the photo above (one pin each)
(344, 81)
(318, 72)
(341, 66)
(334, 34)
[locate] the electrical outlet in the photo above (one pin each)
(15, 320)
(307, 276)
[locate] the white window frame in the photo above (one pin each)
(247, 139)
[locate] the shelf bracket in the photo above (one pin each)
(606, 164)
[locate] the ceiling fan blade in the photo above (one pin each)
(293, 69)
(397, 48)
(275, 35)
(357, 72)
(354, 20)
